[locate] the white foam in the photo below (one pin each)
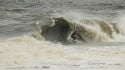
(24, 49)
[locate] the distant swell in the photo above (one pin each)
(89, 30)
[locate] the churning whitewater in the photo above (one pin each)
(45, 46)
(62, 35)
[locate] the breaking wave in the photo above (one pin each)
(88, 30)
(26, 49)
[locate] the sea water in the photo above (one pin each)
(103, 48)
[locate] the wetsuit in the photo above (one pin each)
(75, 36)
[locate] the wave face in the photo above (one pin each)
(58, 31)
(86, 30)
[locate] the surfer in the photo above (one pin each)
(76, 36)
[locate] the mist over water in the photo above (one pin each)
(37, 34)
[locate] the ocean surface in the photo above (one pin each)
(37, 34)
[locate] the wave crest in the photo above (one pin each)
(88, 30)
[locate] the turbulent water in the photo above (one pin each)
(62, 34)
(90, 30)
